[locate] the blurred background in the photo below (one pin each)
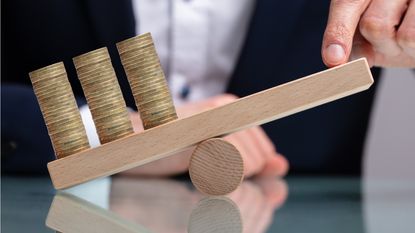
(390, 147)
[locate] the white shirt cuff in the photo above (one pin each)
(91, 131)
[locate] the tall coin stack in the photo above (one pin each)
(147, 81)
(59, 109)
(103, 95)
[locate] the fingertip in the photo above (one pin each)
(275, 190)
(283, 165)
(275, 166)
(279, 195)
(334, 54)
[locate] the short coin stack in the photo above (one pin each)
(147, 81)
(104, 96)
(59, 109)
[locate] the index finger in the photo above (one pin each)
(343, 20)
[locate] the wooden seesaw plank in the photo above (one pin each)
(70, 214)
(259, 108)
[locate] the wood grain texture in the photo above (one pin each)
(256, 109)
(216, 167)
(69, 214)
(215, 214)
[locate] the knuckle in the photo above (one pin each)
(222, 100)
(375, 28)
(338, 32)
(348, 2)
(229, 97)
(406, 37)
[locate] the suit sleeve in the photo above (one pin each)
(26, 146)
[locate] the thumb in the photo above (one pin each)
(343, 20)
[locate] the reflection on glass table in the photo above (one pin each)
(161, 205)
(122, 204)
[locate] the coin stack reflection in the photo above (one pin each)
(147, 81)
(103, 94)
(59, 109)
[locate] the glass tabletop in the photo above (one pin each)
(127, 204)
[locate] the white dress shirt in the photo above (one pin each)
(198, 42)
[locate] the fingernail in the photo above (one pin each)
(335, 54)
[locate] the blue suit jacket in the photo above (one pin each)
(283, 44)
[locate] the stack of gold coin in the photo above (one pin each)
(103, 94)
(59, 109)
(147, 81)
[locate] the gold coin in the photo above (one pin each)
(112, 119)
(112, 96)
(133, 48)
(63, 118)
(62, 136)
(98, 90)
(64, 141)
(144, 99)
(151, 90)
(97, 78)
(113, 137)
(91, 57)
(51, 86)
(137, 41)
(154, 91)
(57, 98)
(149, 125)
(147, 78)
(108, 105)
(158, 114)
(97, 75)
(101, 116)
(134, 43)
(93, 69)
(100, 81)
(139, 55)
(56, 88)
(52, 108)
(148, 63)
(52, 115)
(155, 114)
(60, 120)
(47, 71)
(57, 106)
(70, 150)
(152, 106)
(154, 78)
(60, 128)
(116, 128)
(57, 91)
(71, 142)
(72, 138)
(61, 79)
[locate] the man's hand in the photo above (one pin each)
(383, 31)
(258, 152)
